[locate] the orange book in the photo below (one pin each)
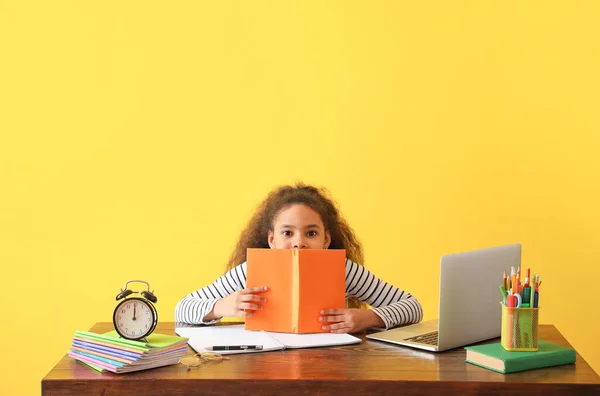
(300, 283)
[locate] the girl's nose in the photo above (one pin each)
(299, 243)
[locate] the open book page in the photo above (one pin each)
(205, 336)
(291, 340)
(209, 336)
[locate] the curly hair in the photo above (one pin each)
(255, 234)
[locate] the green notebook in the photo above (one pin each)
(494, 357)
(155, 340)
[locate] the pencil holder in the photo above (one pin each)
(519, 329)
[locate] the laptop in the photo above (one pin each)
(469, 308)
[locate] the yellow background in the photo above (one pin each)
(137, 138)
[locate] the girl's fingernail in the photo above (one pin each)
(324, 327)
(322, 311)
(321, 318)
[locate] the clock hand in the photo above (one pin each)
(134, 311)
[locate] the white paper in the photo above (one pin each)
(291, 340)
(208, 336)
(205, 336)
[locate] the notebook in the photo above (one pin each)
(301, 282)
(494, 357)
(202, 337)
(468, 302)
(109, 352)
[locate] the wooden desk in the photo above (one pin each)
(371, 367)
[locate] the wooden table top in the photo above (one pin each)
(371, 367)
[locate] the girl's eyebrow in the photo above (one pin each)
(308, 226)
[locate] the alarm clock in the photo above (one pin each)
(135, 317)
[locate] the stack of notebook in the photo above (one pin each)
(109, 352)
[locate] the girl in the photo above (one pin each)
(302, 217)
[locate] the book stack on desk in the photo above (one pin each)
(109, 352)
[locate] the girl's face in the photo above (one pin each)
(298, 227)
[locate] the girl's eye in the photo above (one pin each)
(311, 233)
(287, 233)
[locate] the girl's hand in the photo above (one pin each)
(241, 303)
(350, 320)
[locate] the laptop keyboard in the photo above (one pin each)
(427, 338)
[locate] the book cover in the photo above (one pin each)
(300, 283)
(154, 341)
(494, 357)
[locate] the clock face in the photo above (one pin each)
(134, 318)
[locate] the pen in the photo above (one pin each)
(233, 347)
(527, 296)
(513, 279)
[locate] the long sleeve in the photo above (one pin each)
(195, 306)
(394, 306)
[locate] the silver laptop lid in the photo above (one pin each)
(469, 308)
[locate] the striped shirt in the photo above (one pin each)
(394, 306)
